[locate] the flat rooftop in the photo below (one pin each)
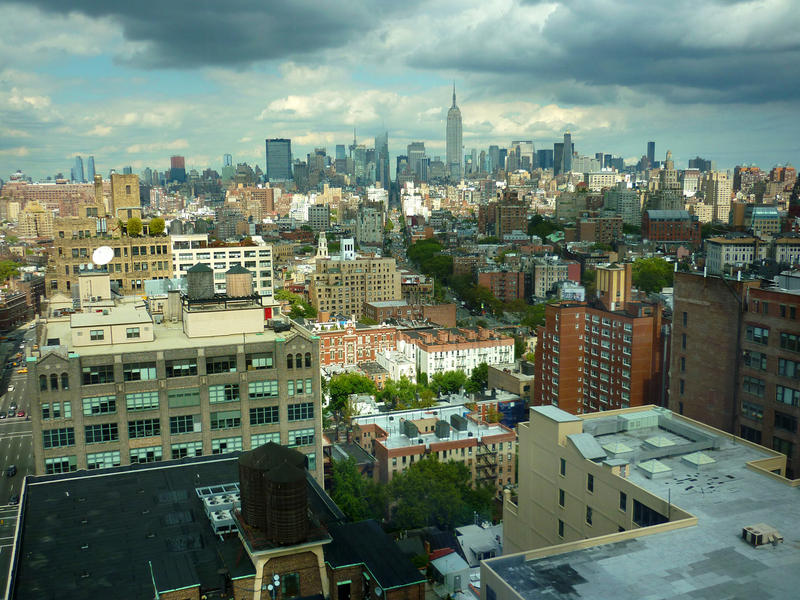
(390, 422)
(706, 561)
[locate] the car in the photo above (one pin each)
(12, 406)
(22, 346)
(13, 500)
(11, 388)
(12, 413)
(22, 371)
(21, 413)
(11, 470)
(3, 415)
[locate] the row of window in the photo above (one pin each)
(760, 335)
(782, 420)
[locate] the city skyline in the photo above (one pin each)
(131, 88)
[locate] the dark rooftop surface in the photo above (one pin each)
(365, 542)
(348, 450)
(95, 535)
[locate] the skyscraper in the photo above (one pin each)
(416, 154)
(77, 170)
(493, 162)
(177, 168)
(90, 169)
(279, 159)
(567, 156)
(381, 159)
(341, 153)
(454, 140)
(227, 160)
(558, 158)
(651, 153)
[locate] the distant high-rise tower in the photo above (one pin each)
(227, 160)
(416, 156)
(77, 170)
(454, 140)
(381, 159)
(90, 172)
(279, 159)
(177, 169)
(558, 158)
(341, 152)
(567, 156)
(493, 162)
(651, 153)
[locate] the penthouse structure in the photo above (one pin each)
(111, 386)
(604, 355)
(462, 349)
(189, 250)
(399, 439)
(637, 495)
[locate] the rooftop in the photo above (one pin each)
(704, 472)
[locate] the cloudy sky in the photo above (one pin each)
(135, 82)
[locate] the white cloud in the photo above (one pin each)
(18, 151)
(100, 131)
(180, 144)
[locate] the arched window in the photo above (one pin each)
(298, 361)
(42, 383)
(53, 381)
(289, 361)
(64, 381)
(308, 359)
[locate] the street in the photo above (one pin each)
(15, 444)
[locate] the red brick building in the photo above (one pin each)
(600, 230)
(671, 227)
(505, 285)
(350, 343)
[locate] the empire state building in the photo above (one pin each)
(454, 140)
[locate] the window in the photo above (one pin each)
(308, 359)
(789, 368)
(98, 374)
(227, 419)
(312, 461)
(786, 422)
(301, 437)
(183, 397)
(623, 498)
(262, 389)
(757, 335)
(644, 516)
(790, 341)
(132, 333)
(102, 460)
(42, 383)
(222, 445)
(145, 455)
(290, 387)
(221, 364)
(561, 498)
(64, 381)
(183, 367)
(755, 360)
(259, 439)
(141, 401)
(753, 385)
(184, 424)
(560, 534)
(289, 361)
(590, 482)
(139, 372)
(99, 405)
(787, 395)
(683, 341)
(682, 386)
(144, 428)
(187, 449)
(290, 585)
(53, 382)
(750, 434)
(101, 433)
(96, 335)
(563, 467)
(262, 360)
(781, 445)
(685, 318)
(752, 410)
(588, 515)
(57, 438)
(264, 415)
(228, 392)
(60, 464)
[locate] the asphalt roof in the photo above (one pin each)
(366, 543)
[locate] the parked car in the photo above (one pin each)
(11, 471)
(14, 499)
(21, 413)
(11, 388)
(12, 413)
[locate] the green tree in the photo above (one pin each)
(341, 386)
(8, 269)
(652, 274)
(448, 382)
(402, 394)
(389, 225)
(367, 321)
(358, 497)
(542, 227)
(157, 226)
(134, 226)
(436, 493)
(589, 282)
(479, 379)
(519, 346)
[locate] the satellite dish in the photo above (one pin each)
(103, 255)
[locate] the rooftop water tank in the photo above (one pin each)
(200, 282)
(238, 282)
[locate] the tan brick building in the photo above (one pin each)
(35, 222)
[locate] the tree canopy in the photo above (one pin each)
(402, 394)
(448, 382)
(357, 496)
(479, 379)
(341, 386)
(652, 274)
(542, 227)
(134, 226)
(298, 307)
(157, 226)
(8, 268)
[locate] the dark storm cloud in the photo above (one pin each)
(717, 52)
(192, 33)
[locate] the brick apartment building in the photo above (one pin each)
(600, 356)
(748, 385)
(549, 270)
(439, 314)
(506, 286)
(600, 230)
(350, 343)
(463, 349)
(671, 227)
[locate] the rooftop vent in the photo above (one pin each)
(761, 534)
